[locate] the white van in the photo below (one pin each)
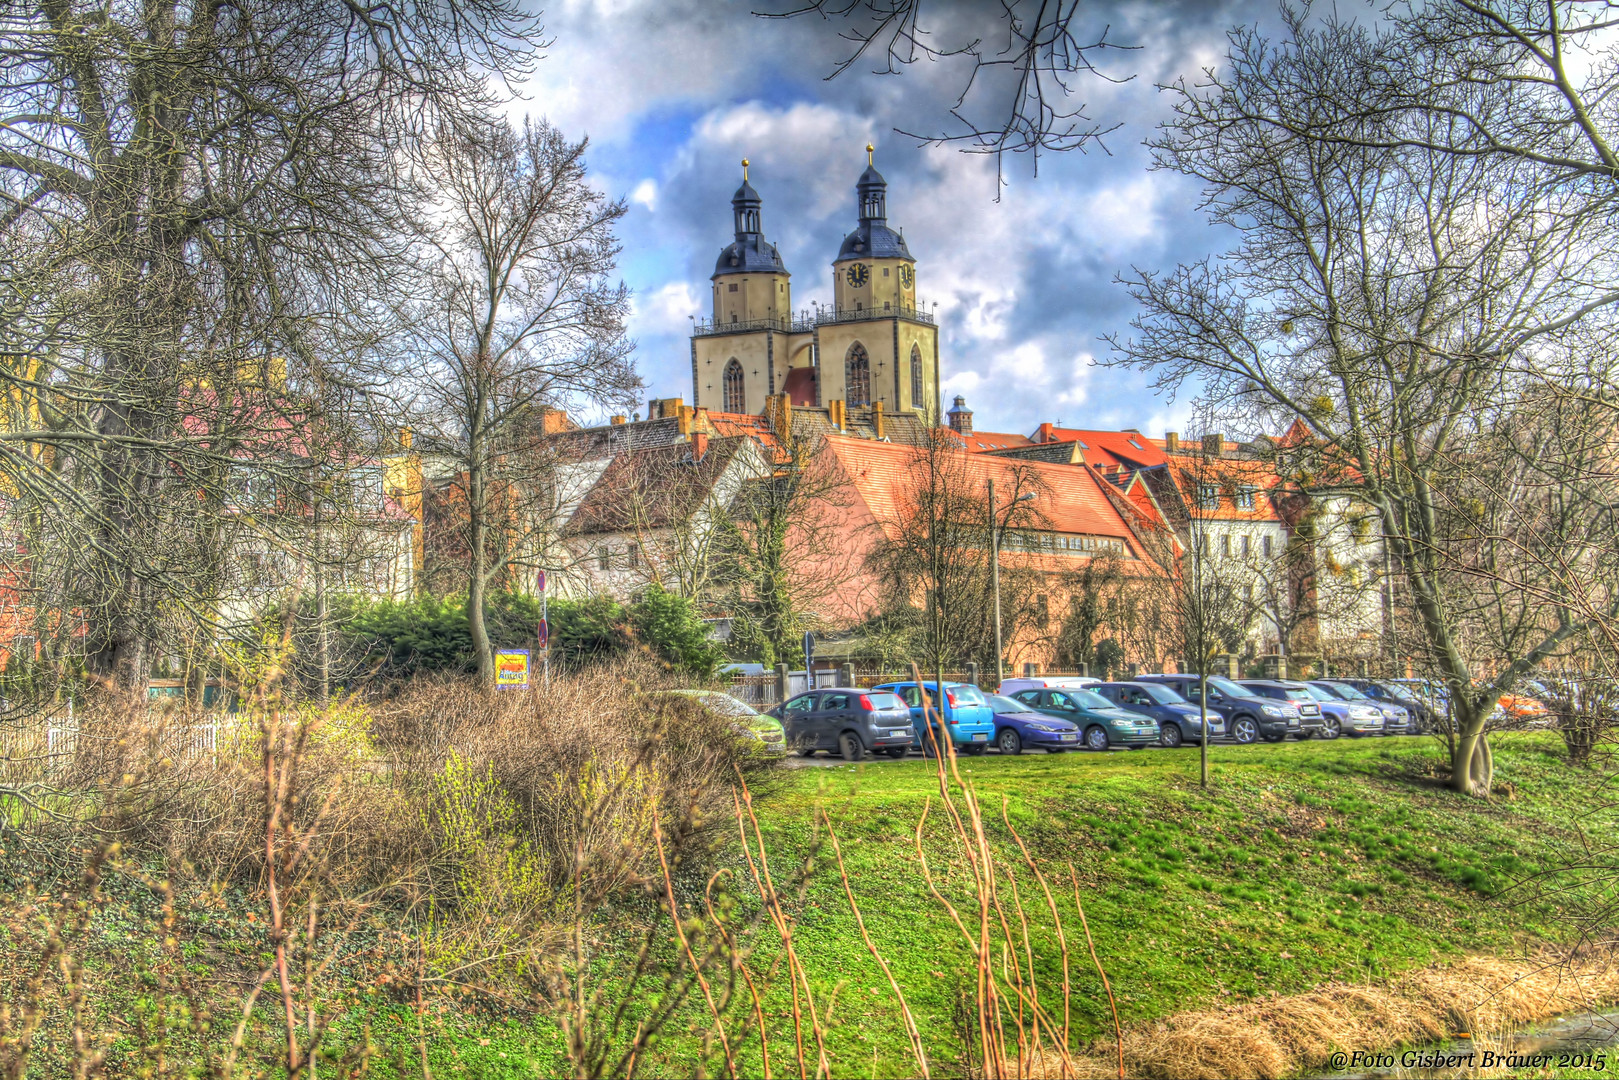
(1043, 682)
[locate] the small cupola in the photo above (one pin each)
(750, 252)
(960, 417)
(873, 192)
(745, 206)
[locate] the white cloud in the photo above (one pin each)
(646, 194)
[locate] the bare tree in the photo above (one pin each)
(522, 315)
(1399, 299)
(190, 196)
(780, 551)
(1024, 61)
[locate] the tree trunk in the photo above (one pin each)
(1472, 765)
(477, 577)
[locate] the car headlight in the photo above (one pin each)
(1271, 710)
(1039, 727)
(1361, 712)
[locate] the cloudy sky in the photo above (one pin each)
(673, 93)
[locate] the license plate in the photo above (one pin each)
(980, 738)
(1070, 738)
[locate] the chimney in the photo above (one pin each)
(618, 420)
(699, 421)
(663, 408)
(961, 417)
(779, 415)
(877, 418)
(553, 421)
(1213, 445)
(1045, 434)
(683, 418)
(837, 413)
(1172, 442)
(699, 446)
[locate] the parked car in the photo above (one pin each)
(1247, 717)
(1297, 695)
(1017, 726)
(1104, 723)
(1403, 712)
(969, 721)
(1179, 722)
(1346, 711)
(744, 717)
(1046, 682)
(852, 721)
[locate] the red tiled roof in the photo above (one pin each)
(979, 442)
(1228, 474)
(1073, 501)
(1107, 450)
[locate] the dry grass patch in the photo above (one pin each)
(1284, 1036)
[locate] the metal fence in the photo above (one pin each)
(37, 749)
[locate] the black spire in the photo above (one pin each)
(873, 239)
(873, 191)
(750, 252)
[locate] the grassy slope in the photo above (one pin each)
(1301, 864)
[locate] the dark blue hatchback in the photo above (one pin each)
(1017, 726)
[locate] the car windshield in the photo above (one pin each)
(966, 694)
(1399, 691)
(1006, 704)
(1345, 691)
(1163, 695)
(1298, 693)
(1090, 699)
(1318, 693)
(1229, 688)
(883, 700)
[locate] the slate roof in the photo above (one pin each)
(903, 427)
(652, 488)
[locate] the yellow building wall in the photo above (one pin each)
(741, 297)
(885, 283)
(756, 351)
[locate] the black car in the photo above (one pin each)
(1178, 721)
(1296, 694)
(852, 721)
(1248, 717)
(1402, 712)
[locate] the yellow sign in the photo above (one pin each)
(511, 667)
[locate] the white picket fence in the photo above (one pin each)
(35, 750)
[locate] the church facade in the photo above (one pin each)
(876, 343)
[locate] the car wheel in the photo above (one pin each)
(1009, 741)
(895, 752)
(1170, 735)
(806, 751)
(976, 749)
(1330, 728)
(1245, 730)
(1096, 738)
(849, 743)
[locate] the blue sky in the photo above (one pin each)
(673, 93)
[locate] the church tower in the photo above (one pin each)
(742, 355)
(877, 344)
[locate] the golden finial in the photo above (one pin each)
(744, 170)
(870, 149)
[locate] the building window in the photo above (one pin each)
(1225, 545)
(1042, 607)
(632, 556)
(1246, 550)
(1208, 496)
(857, 377)
(731, 287)
(1264, 546)
(604, 558)
(736, 399)
(1245, 498)
(916, 377)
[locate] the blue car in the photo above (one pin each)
(1179, 721)
(1017, 726)
(968, 718)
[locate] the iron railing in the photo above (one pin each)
(919, 313)
(786, 324)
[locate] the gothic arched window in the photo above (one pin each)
(736, 399)
(916, 377)
(857, 377)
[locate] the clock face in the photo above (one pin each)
(857, 274)
(907, 277)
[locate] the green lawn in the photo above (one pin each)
(1300, 864)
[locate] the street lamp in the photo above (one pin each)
(995, 568)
